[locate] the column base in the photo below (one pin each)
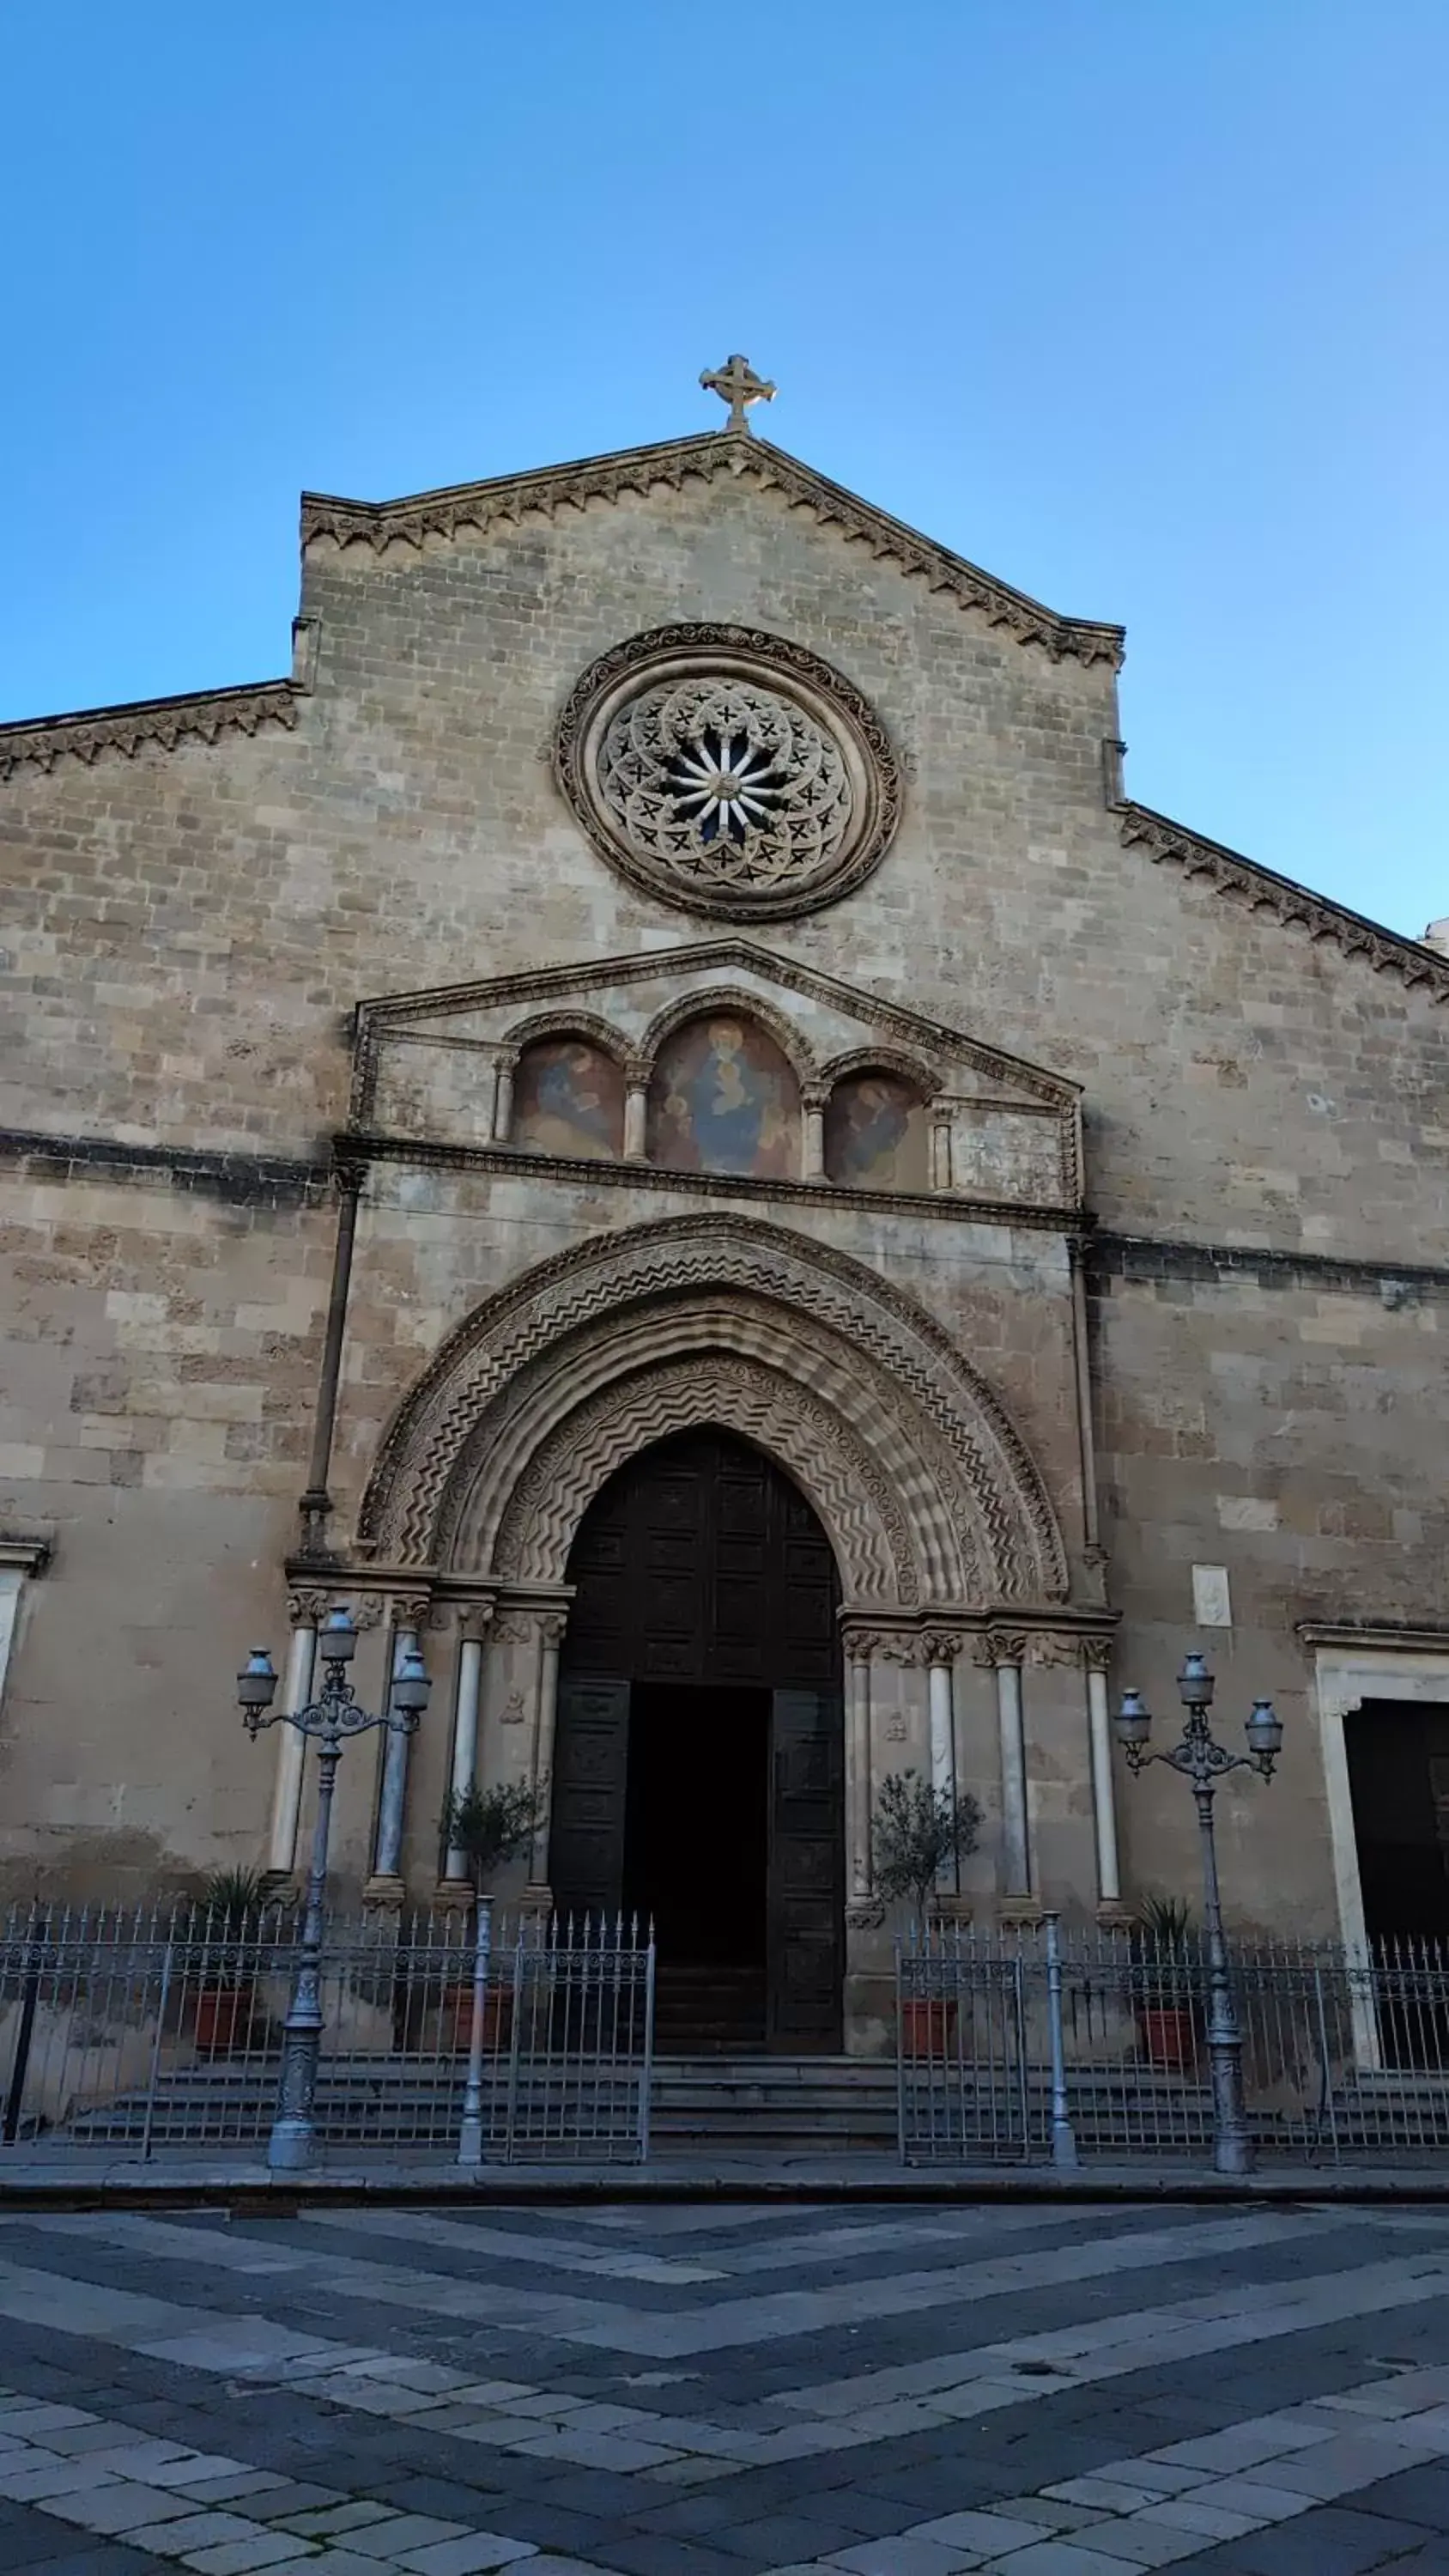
(388, 1893)
(950, 1909)
(279, 1887)
(452, 1895)
(1027, 1911)
(1114, 1916)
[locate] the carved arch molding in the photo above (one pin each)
(917, 1472)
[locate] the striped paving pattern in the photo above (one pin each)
(646, 2391)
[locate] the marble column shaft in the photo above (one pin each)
(1015, 1828)
(392, 1804)
(292, 1748)
(1104, 1794)
(465, 1735)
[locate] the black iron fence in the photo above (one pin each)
(145, 2030)
(1345, 2053)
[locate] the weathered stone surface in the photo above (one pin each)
(191, 922)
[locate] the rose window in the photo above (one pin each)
(727, 771)
(725, 784)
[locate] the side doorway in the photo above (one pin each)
(1398, 1770)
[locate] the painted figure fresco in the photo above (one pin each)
(568, 1098)
(723, 1099)
(875, 1133)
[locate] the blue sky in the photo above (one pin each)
(1140, 303)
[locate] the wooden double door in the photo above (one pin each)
(699, 1750)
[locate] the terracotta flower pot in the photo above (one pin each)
(1169, 2036)
(456, 2020)
(928, 2024)
(223, 2016)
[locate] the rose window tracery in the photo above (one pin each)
(728, 772)
(726, 784)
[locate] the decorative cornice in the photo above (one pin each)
(511, 498)
(427, 1154)
(1142, 1258)
(24, 1551)
(1388, 952)
(1371, 1637)
(245, 1180)
(162, 724)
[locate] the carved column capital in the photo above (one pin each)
(1097, 1653)
(942, 1645)
(475, 1618)
(1003, 1646)
(551, 1626)
(884, 1645)
(410, 1610)
(1051, 1646)
(308, 1609)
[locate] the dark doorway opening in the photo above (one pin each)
(696, 1855)
(1398, 1772)
(699, 1755)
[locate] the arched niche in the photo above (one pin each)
(568, 1098)
(876, 1131)
(723, 1097)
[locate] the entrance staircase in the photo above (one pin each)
(773, 2106)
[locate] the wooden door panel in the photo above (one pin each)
(807, 1870)
(591, 1761)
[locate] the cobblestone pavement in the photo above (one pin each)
(658, 2391)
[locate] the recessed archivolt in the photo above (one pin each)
(979, 1525)
(833, 1468)
(910, 1532)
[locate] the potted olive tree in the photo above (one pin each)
(1164, 1946)
(490, 1827)
(918, 1830)
(227, 1934)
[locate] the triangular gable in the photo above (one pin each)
(510, 498)
(512, 997)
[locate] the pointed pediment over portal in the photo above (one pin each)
(438, 1071)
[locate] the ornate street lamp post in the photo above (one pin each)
(1203, 1761)
(329, 1721)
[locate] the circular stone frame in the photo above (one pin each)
(785, 670)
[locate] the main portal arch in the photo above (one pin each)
(918, 1475)
(699, 1765)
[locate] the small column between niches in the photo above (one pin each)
(636, 1113)
(812, 1136)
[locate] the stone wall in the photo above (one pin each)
(188, 930)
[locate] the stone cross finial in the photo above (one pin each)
(737, 384)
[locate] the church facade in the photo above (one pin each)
(655, 1120)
